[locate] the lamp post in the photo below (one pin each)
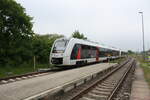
(143, 35)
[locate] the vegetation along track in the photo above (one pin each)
(106, 87)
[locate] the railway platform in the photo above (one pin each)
(30, 88)
(140, 89)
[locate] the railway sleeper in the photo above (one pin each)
(95, 96)
(4, 82)
(30, 76)
(111, 83)
(102, 89)
(85, 98)
(108, 84)
(101, 92)
(18, 79)
(11, 80)
(108, 81)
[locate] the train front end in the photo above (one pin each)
(57, 51)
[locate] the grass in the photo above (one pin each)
(117, 60)
(26, 68)
(146, 69)
(145, 65)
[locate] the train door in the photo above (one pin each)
(76, 52)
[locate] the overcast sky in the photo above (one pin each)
(110, 22)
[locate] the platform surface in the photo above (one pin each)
(23, 89)
(140, 89)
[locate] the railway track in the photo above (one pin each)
(24, 76)
(11, 79)
(15, 78)
(107, 86)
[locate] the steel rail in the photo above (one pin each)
(121, 81)
(81, 93)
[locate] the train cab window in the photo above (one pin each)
(59, 46)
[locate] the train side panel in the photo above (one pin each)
(81, 52)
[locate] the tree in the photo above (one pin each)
(15, 33)
(130, 52)
(42, 46)
(77, 34)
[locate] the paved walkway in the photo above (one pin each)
(22, 89)
(140, 89)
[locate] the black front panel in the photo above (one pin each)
(57, 60)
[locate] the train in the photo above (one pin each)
(73, 51)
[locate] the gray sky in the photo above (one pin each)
(111, 22)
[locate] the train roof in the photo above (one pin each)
(91, 43)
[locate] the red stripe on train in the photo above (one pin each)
(79, 54)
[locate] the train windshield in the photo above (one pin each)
(59, 46)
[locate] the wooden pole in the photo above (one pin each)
(34, 62)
